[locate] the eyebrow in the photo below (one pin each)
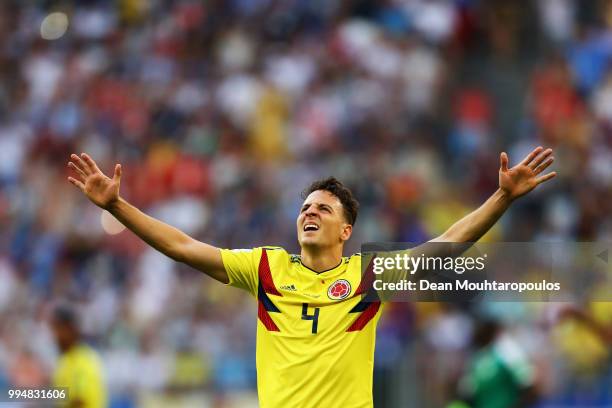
(320, 205)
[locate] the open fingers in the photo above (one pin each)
(546, 177)
(77, 170)
(90, 163)
(544, 165)
(538, 160)
(77, 183)
(80, 164)
(531, 155)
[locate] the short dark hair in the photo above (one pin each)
(65, 314)
(335, 187)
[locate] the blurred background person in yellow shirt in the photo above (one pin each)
(79, 368)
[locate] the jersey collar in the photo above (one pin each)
(322, 272)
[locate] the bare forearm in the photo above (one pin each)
(158, 234)
(103, 191)
(171, 241)
(513, 183)
(474, 225)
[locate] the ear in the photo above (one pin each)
(347, 230)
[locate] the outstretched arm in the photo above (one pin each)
(104, 192)
(513, 183)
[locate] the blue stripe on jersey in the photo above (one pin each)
(265, 300)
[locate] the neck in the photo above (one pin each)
(69, 346)
(321, 259)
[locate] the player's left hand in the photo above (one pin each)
(524, 177)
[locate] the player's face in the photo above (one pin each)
(321, 222)
(64, 335)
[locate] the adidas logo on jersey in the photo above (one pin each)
(289, 287)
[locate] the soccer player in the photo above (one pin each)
(79, 369)
(315, 333)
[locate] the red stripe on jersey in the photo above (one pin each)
(265, 318)
(367, 280)
(364, 317)
(265, 276)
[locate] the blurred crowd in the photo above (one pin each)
(221, 111)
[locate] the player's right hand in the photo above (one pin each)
(100, 189)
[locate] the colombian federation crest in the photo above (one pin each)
(339, 290)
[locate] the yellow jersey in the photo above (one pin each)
(80, 371)
(315, 332)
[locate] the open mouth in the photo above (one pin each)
(309, 226)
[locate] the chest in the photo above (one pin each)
(306, 304)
